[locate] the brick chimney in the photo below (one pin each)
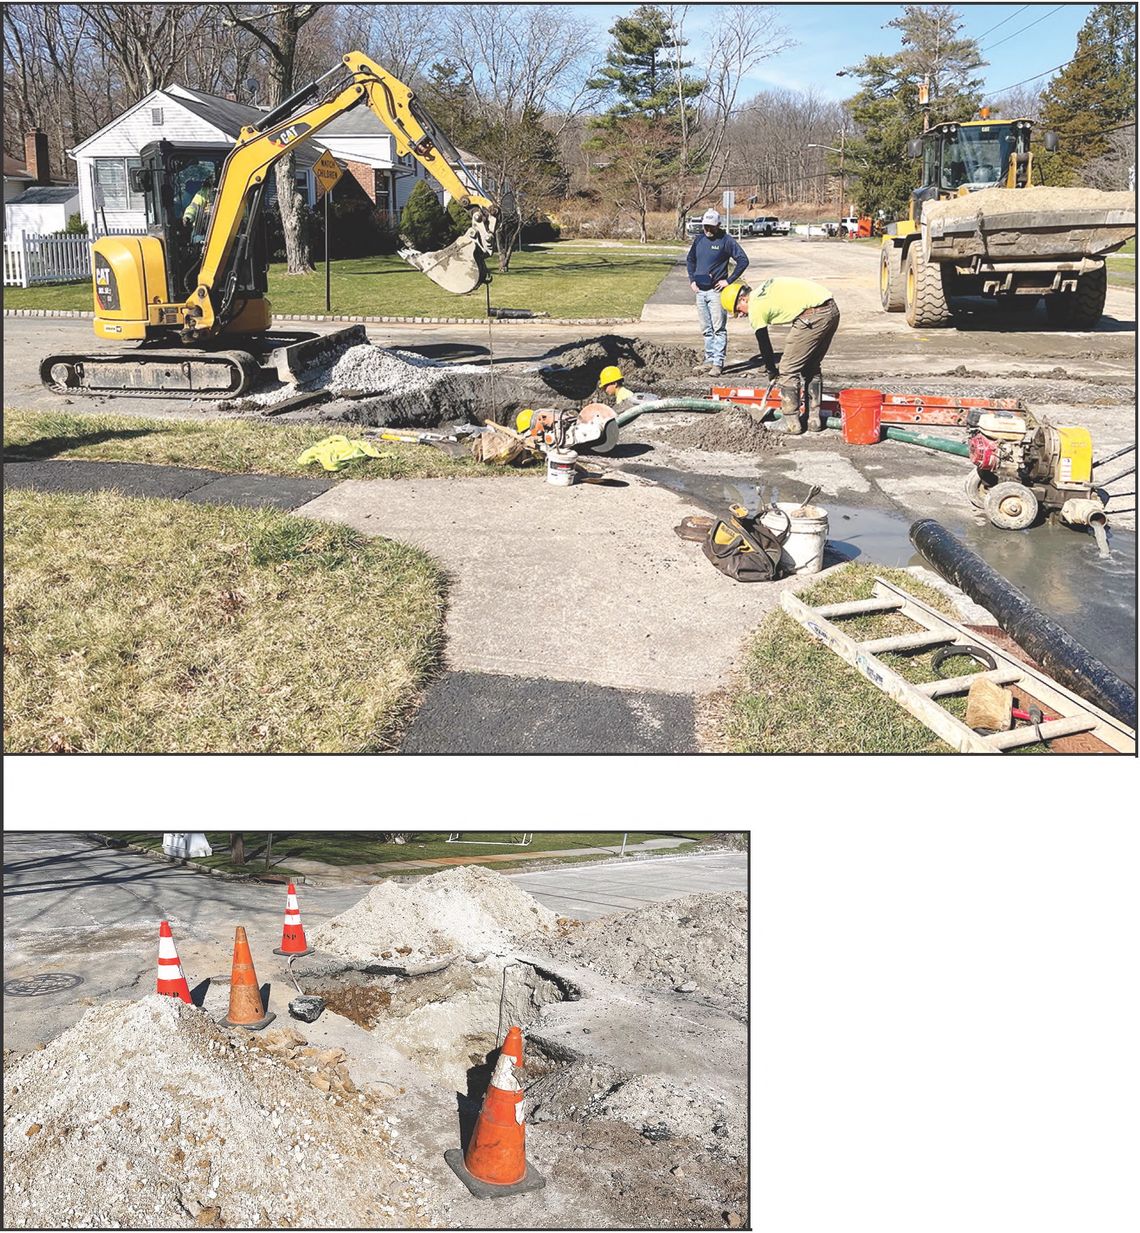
(36, 156)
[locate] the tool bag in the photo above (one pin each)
(744, 549)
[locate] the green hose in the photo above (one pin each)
(942, 444)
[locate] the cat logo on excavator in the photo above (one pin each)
(289, 135)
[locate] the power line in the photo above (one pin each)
(1023, 29)
(1003, 21)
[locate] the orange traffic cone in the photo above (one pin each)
(246, 1007)
(495, 1164)
(171, 978)
(513, 1045)
(293, 936)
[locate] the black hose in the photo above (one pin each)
(1057, 651)
(1126, 450)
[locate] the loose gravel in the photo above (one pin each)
(147, 1114)
(463, 911)
(696, 940)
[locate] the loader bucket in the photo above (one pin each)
(1029, 224)
(458, 268)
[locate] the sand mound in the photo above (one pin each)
(459, 911)
(730, 432)
(147, 1114)
(696, 939)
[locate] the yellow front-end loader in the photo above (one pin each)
(979, 226)
(191, 292)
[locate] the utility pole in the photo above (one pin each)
(924, 100)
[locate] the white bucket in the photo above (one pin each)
(803, 549)
(561, 467)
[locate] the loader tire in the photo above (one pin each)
(1084, 307)
(926, 301)
(892, 292)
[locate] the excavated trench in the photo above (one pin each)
(451, 1020)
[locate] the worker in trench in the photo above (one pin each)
(613, 391)
(810, 309)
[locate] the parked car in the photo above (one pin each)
(783, 227)
(849, 225)
(767, 225)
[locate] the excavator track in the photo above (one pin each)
(152, 374)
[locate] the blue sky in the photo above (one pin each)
(834, 36)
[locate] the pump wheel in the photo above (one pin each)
(976, 489)
(1011, 507)
(892, 293)
(1084, 307)
(925, 299)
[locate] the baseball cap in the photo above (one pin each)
(711, 219)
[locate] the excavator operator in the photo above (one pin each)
(201, 199)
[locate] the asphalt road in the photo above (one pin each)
(589, 891)
(81, 920)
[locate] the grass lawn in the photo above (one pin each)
(366, 849)
(237, 446)
(575, 283)
(138, 625)
(796, 696)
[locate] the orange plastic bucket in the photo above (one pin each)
(861, 411)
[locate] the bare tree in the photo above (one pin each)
(742, 36)
(278, 27)
(144, 40)
(396, 36)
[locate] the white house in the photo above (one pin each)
(33, 201)
(171, 114)
(17, 178)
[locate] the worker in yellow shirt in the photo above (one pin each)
(812, 313)
(197, 211)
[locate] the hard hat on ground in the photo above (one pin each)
(731, 294)
(711, 218)
(524, 419)
(609, 375)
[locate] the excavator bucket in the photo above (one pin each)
(458, 268)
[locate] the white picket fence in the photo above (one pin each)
(31, 259)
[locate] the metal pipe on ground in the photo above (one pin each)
(942, 444)
(1056, 650)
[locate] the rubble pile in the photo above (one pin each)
(696, 940)
(147, 1114)
(463, 911)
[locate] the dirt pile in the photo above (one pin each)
(147, 1114)
(730, 432)
(463, 911)
(995, 201)
(573, 370)
(696, 940)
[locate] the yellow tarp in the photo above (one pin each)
(335, 453)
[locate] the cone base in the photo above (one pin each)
(307, 951)
(251, 1027)
(532, 1179)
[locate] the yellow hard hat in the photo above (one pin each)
(524, 419)
(609, 375)
(730, 295)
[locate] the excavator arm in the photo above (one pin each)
(459, 268)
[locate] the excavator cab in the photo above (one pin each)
(180, 185)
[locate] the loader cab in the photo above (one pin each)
(180, 186)
(964, 157)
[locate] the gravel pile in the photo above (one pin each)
(147, 1114)
(698, 940)
(732, 432)
(466, 910)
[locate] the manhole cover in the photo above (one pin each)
(44, 982)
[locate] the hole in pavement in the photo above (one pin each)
(450, 1021)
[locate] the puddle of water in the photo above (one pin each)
(1060, 568)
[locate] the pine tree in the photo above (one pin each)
(424, 223)
(640, 136)
(887, 110)
(1095, 92)
(459, 217)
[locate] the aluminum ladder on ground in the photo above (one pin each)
(1074, 713)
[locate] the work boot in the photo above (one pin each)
(813, 403)
(715, 370)
(790, 407)
(702, 368)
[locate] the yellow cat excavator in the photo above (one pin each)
(191, 292)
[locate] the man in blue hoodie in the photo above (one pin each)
(709, 255)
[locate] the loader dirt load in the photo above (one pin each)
(979, 227)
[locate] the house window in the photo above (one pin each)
(156, 116)
(112, 191)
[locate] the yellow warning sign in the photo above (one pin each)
(328, 171)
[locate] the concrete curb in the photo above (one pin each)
(77, 315)
(160, 858)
